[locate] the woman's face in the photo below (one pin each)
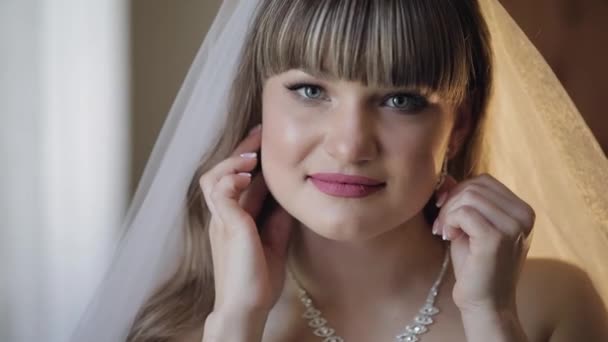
(326, 126)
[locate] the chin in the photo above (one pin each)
(343, 229)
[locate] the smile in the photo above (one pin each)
(340, 185)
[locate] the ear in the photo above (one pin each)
(461, 130)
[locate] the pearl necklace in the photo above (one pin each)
(419, 326)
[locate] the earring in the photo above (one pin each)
(444, 171)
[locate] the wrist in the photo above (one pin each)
(493, 325)
(235, 326)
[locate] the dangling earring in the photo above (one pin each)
(444, 171)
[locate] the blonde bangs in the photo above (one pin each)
(418, 44)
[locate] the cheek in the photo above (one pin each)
(285, 141)
(281, 137)
(412, 163)
(413, 149)
(289, 132)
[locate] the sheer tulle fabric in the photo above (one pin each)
(148, 251)
(536, 143)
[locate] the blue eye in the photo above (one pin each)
(311, 91)
(407, 102)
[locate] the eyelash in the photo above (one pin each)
(419, 101)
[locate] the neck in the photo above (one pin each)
(381, 270)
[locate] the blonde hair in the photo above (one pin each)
(439, 45)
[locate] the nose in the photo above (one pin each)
(351, 135)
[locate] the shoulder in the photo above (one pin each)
(563, 300)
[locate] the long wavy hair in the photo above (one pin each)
(439, 45)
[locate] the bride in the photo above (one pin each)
(348, 193)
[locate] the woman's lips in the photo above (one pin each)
(340, 185)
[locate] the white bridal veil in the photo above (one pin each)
(536, 143)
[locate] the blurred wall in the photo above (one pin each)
(572, 35)
(165, 35)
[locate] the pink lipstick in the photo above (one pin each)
(340, 185)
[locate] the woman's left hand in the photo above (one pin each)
(490, 232)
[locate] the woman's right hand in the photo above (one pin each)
(249, 267)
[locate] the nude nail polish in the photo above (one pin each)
(441, 199)
(251, 155)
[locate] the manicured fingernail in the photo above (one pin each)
(445, 235)
(251, 155)
(441, 199)
(255, 129)
(435, 227)
(247, 174)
